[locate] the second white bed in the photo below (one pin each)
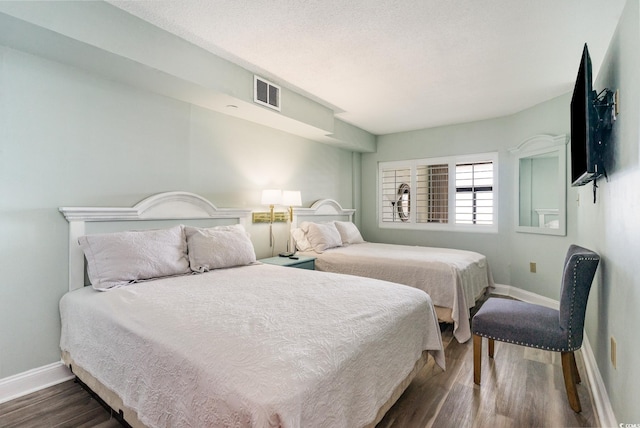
(453, 278)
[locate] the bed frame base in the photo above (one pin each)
(105, 396)
(119, 415)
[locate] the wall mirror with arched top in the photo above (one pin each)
(541, 170)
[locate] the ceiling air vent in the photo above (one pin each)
(266, 93)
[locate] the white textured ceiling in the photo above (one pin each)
(396, 65)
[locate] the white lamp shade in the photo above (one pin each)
(291, 198)
(271, 197)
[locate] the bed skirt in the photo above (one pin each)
(130, 416)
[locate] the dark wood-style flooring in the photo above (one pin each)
(521, 387)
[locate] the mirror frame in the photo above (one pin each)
(534, 146)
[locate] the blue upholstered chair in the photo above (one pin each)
(537, 326)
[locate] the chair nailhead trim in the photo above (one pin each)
(573, 296)
(570, 349)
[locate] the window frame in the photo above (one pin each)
(451, 161)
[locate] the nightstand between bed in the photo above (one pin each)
(302, 262)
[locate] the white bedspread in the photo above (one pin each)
(259, 346)
(453, 278)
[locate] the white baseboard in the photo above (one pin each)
(16, 386)
(601, 402)
(525, 296)
(599, 393)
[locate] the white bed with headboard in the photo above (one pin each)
(455, 279)
(241, 344)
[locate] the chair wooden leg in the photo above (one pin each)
(569, 370)
(576, 374)
(492, 343)
(477, 358)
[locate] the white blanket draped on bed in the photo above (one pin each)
(453, 278)
(256, 346)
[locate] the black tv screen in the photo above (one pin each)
(584, 147)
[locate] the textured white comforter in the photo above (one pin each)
(260, 346)
(453, 278)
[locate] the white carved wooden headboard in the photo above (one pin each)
(322, 209)
(162, 206)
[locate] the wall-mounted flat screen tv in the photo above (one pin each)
(585, 147)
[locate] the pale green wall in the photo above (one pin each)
(509, 253)
(69, 138)
(611, 227)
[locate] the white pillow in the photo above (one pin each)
(304, 226)
(121, 258)
(300, 238)
(219, 247)
(323, 236)
(349, 232)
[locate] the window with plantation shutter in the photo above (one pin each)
(432, 193)
(474, 193)
(452, 193)
(396, 206)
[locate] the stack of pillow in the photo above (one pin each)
(121, 258)
(319, 237)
